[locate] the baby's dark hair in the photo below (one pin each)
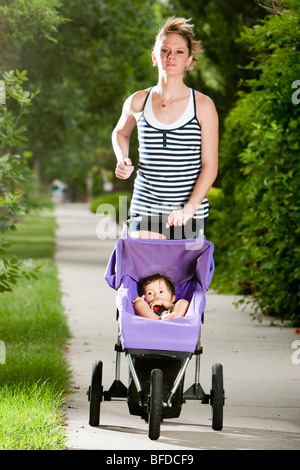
(155, 277)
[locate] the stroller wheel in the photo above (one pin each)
(95, 393)
(217, 397)
(155, 404)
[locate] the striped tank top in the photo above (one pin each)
(169, 162)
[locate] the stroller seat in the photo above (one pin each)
(187, 263)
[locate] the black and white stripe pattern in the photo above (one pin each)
(169, 165)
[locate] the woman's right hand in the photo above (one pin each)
(124, 169)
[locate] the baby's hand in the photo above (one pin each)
(173, 315)
(169, 315)
(138, 298)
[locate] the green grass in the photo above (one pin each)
(35, 376)
(34, 238)
(31, 418)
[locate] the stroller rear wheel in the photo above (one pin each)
(155, 404)
(217, 397)
(95, 393)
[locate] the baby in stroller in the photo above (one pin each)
(158, 353)
(156, 299)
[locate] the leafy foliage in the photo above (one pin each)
(22, 21)
(218, 24)
(14, 173)
(257, 237)
(102, 55)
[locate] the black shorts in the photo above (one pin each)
(194, 228)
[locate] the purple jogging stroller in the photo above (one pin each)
(158, 352)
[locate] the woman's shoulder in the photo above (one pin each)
(205, 107)
(203, 100)
(137, 100)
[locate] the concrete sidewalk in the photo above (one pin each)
(261, 377)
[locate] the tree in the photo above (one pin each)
(15, 103)
(218, 24)
(24, 21)
(258, 228)
(102, 55)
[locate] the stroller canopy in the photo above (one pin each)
(179, 260)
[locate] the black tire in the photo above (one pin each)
(217, 397)
(95, 393)
(155, 404)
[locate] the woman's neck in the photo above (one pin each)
(168, 87)
(169, 100)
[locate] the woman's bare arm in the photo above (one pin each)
(122, 132)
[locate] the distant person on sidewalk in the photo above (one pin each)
(56, 191)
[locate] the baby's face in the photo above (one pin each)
(158, 290)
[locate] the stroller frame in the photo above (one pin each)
(194, 392)
(150, 404)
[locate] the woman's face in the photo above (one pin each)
(171, 54)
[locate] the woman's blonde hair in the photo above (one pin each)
(183, 27)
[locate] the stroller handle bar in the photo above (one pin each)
(128, 222)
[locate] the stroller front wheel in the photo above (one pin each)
(155, 404)
(95, 393)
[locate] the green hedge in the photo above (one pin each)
(103, 201)
(256, 235)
